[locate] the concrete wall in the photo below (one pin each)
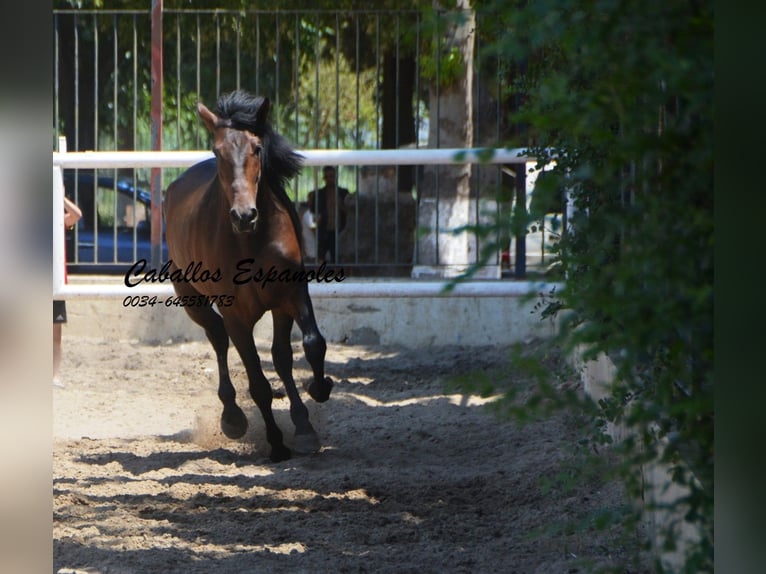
(404, 321)
(597, 377)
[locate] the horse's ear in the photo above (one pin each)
(263, 111)
(209, 118)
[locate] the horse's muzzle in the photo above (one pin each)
(243, 222)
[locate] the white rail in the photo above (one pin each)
(357, 289)
(383, 289)
(316, 157)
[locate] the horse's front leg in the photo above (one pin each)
(233, 420)
(315, 348)
(306, 440)
(259, 386)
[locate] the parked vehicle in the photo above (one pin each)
(115, 229)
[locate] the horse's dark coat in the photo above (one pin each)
(234, 207)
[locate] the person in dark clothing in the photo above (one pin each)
(327, 206)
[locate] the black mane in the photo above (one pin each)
(240, 110)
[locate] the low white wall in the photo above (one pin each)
(404, 321)
(597, 376)
(430, 321)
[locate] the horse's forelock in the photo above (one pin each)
(240, 110)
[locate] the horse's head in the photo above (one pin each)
(238, 157)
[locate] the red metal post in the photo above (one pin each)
(156, 129)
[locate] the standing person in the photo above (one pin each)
(72, 215)
(327, 205)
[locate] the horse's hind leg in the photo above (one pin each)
(315, 348)
(259, 386)
(306, 440)
(233, 420)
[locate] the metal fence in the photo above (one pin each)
(351, 80)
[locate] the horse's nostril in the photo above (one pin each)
(243, 221)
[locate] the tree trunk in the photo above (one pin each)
(445, 191)
(398, 113)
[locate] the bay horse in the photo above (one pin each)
(231, 213)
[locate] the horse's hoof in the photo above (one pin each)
(306, 443)
(234, 423)
(280, 453)
(321, 392)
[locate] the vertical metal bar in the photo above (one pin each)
(296, 83)
(198, 86)
(317, 93)
(320, 255)
(521, 236)
(565, 211)
(135, 82)
(474, 191)
(95, 81)
(416, 254)
(357, 138)
(95, 136)
(56, 121)
(520, 132)
(275, 112)
(116, 136)
(397, 143)
(76, 33)
(377, 82)
(377, 135)
(337, 136)
(258, 53)
(542, 240)
(156, 128)
(178, 82)
(337, 81)
(217, 54)
(417, 81)
(437, 121)
(135, 121)
(498, 111)
(296, 78)
(239, 33)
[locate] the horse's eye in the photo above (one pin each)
(257, 149)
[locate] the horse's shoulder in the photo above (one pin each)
(198, 176)
(200, 173)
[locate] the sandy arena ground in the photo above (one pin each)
(412, 477)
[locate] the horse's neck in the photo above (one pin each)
(270, 206)
(281, 225)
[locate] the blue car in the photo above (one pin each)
(115, 229)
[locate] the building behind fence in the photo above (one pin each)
(364, 79)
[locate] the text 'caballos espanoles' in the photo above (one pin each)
(244, 273)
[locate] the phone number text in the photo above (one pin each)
(178, 301)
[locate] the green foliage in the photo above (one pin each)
(619, 93)
(440, 62)
(445, 66)
(293, 55)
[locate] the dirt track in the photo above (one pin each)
(411, 477)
